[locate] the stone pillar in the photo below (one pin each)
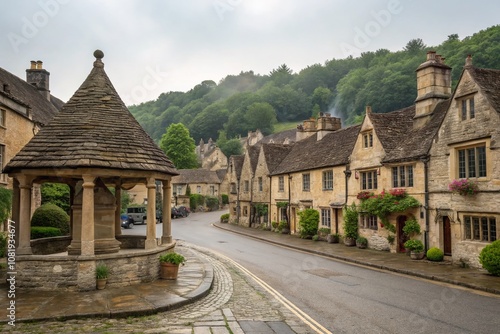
(118, 197)
(15, 206)
(150, 242)
(87, 234)
(166, 237)
(24, 225)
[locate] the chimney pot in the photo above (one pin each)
(39, 64)
(368, 109)
(431, 55)
(33, 65)
(439, 59)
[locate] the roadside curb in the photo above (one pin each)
(407, 272)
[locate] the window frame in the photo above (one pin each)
(327, 179)
(472, 165)
(403, 176)
(367, 183)
(326, 217)
(466, 107)
(260, 184)
(3, 115)
(281, 184)
(474, 230)
(367, 137)
(246, 186)
(367, 221)
(306, 182)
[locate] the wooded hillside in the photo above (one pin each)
(248, 101)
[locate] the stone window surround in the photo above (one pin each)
(408, 175)
(3, 114)
(455, 147)
(306, 182)
(365, 182)
(327, 179)
(260, 184)
(326, 217)
(281, 184)
(466, 106)
(367, 139)
(470, 227)
(368, 221)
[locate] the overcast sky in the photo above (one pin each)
(155, 46)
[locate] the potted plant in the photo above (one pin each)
(169, 265)
(416, 248)
(101, 275)
(350, 225)
(361, 242)
(333, 238)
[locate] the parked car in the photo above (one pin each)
(179, 212)
(137, 214)
(126, 221)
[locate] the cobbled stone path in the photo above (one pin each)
(234, 297)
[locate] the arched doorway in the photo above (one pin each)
(402, 238)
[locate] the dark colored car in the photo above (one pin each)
(126, 221)
(180, 212)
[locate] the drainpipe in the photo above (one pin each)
(289, 202)
(238, 200)
(425, 160)
(251, 202)
(270, 199)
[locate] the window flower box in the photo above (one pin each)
(464, 187)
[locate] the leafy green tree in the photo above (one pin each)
(208, 122)
(415, 45)
(179, 146)
(261, 115)
(56, 193)
(282, 75)
(322, 97)
(5, 203)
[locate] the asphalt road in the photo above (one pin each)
(342, 297)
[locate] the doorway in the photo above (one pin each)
(402, 238)
(447, 235)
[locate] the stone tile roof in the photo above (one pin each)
(42, 110)
(283, 137)
(221, 173)
(196, 176)
(253, 154)
(274, 154)
(93, 129)
(489, 81)
(392, 126)
(332, 150)
(238, 164)
(411, 144)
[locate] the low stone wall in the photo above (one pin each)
(131, 241)
(51, 245)
(467, 253)
(72, 272)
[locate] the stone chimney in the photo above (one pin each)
(468, 61)
(39, 78)
(433, 86)
(326, 124)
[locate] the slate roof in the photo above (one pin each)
(238, 164)
(93, 129)
(408, 143)
(196, 176)
(41, 109)
(253, 154)
(221, 173)
(489, 81)
(274, 154)
(280, 137)
(332, 150)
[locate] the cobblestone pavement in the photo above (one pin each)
(236, 304)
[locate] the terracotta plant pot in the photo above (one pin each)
(168, 270)
(101, 283)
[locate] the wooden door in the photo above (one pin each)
(402, 238)
(447, 235)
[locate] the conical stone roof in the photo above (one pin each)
(94, 129)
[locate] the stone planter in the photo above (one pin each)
(169, 270)
(332, 239)
(361, 245)
(350, 242)
(417, 255)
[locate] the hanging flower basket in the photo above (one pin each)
(464, 187)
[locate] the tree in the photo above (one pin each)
(208, 122)
(56, 193)
(281, 76)
(261, 115)
(179, 146)
(415, 45)
(322, 97)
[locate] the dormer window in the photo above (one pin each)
(467, 110)
(368, 139)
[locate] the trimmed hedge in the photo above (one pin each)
(212, 203)
(490, 258)
(435, 254)
(309, 221)
(38, 232)
(50, 215)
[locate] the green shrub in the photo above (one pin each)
(38, 232)
(3, 243)
(101, 271)
(435, 254)
(172, 257)
(282, 224)
(50, 215)
(350, 214)
(212, 203)
(362, 241)
(414, 245)
(490, 258)
(315, 237)
(308, 223)
(196, 200)
(412, 227)
(225, 216)
(225, 199)
(5, 203)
